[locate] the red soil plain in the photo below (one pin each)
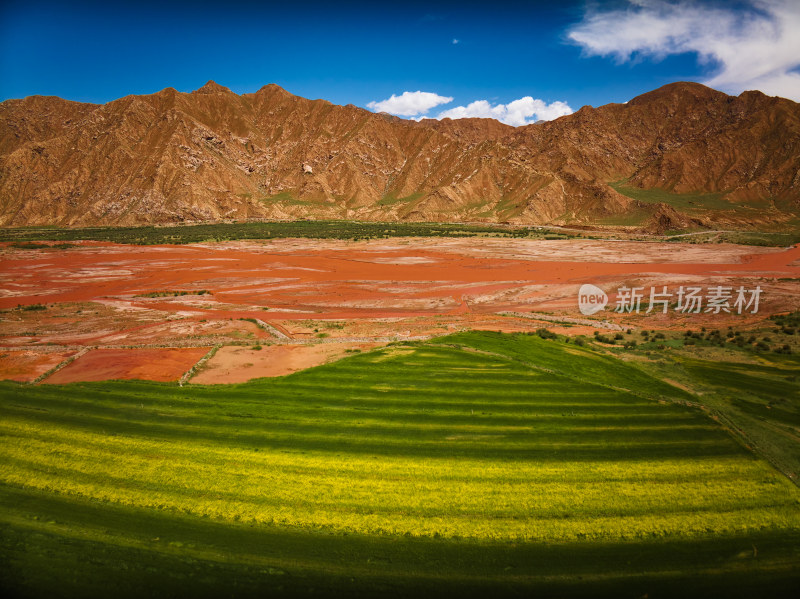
(310, 301)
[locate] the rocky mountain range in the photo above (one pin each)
(681, 156)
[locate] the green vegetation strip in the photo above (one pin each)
(480, 459)
(31, 237)
(690, 202)
(180, 234)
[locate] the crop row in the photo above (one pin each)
(374, 444)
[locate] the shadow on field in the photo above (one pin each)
(74, 549)
(577, 446)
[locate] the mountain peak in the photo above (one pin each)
(273, 88)
(212, 87)
(677, 91)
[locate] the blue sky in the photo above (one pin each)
(549, 58)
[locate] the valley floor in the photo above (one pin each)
(389, 417)
(97, 311)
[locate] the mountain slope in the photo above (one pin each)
(681, 155)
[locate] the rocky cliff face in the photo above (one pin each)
(684, 153)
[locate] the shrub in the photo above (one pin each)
(31, 307)
(546, 333)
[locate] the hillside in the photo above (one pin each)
(681, 156)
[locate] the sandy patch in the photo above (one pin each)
(240, 364)
(25, 366)
(163, 365)
(201, 332)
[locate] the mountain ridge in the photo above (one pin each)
(683, 155)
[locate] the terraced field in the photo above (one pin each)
(479, 462)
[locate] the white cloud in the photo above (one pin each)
(514, 113)
(409, 103)
(519, 112)
(455, 41)
(755, 47)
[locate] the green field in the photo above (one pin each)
(475, 464)
(686, 202)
